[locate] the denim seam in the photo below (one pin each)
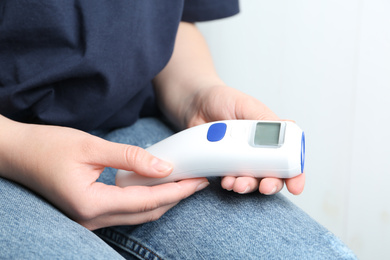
(128, 244)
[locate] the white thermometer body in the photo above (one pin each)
(228, 148)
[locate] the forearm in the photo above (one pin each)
(10, 132)
(190, 69)
(18, 152)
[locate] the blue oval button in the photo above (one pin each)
(216, 132)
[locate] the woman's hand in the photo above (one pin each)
(223, 103)
(190, 93)
(63, 164)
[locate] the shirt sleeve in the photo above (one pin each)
(206, 10)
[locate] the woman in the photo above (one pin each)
(114, 69)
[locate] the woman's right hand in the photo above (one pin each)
(62, 164)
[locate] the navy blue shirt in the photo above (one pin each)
(89, 64)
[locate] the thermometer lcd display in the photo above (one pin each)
(267, 134)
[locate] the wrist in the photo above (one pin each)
(11, 134)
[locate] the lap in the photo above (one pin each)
(217, 224)
(32, 228)
(213, 223)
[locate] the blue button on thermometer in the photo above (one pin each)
(216, 132)
(265, 149)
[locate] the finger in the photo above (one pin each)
(130, 158)
(135, 199)
(269, 186)
(243, 185)
(295, 185)
(227, 182)
(110, 219)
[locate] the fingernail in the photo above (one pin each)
(161, 166)
(272, 191)
(245, 191)
(202, 186)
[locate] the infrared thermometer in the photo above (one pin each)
(228, 148)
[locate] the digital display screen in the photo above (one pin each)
(267, 134)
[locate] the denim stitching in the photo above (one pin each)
(128, 244)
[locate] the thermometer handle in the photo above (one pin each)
(233, 147)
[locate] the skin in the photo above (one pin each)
(191, 93)
(62, 164)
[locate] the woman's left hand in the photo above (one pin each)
(225, 103)
(189, 92)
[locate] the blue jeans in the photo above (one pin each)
(211, 224)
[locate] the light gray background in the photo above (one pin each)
(325, 64)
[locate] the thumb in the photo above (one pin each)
(130, 158)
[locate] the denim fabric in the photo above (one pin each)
(211, 224)
(31, 228)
